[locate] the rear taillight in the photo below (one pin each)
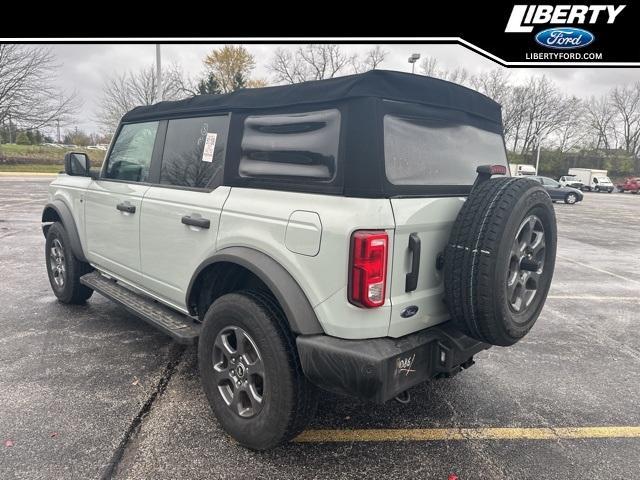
(368, 279)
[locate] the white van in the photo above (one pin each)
(592, 179)
(521, 169)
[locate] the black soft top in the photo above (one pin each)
(383, 84)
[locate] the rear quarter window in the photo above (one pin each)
(291, 146)
(425, 151)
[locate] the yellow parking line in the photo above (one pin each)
(439, 434)
(595, 297)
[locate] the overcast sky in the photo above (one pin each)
(85, 67)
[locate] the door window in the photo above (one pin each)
(131, 153)
(194, 151)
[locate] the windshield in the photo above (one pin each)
(604, 179)
(422, 151)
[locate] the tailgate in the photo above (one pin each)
(430, 220)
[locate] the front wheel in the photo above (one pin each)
(251, 373)
(63, 268)
(571, 198)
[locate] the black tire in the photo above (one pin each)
(571, 198)
(479, 269)
(597, 189)
(66, 266)
(289, 401)
(610, 190)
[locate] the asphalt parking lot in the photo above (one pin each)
(93, 392)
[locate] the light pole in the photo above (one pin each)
(159, 93)
(538, 140)
(412, 60)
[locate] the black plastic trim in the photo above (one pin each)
(299, 312)
(412, 277)
(379, 369)
(63, 212)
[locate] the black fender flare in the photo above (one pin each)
(297, 308)
(59, 210)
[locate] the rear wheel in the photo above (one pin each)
(571, 198)
(63, 268)
(250, 371)
(500, 259)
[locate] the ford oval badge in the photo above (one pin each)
(410, 311)
(564, 38)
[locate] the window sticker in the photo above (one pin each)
(209, 147)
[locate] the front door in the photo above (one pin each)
(113, 202)
(180, 216)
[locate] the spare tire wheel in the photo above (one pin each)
(500, 258)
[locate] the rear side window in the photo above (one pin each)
(194, 151)
(291, 146)
(421, 151)
(130, 156)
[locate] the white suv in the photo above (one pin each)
(342, 234)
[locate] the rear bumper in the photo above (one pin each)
(379, 369)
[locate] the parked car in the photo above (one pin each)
(558, 192)
(267, 226)
(629, 185)
(570, 181)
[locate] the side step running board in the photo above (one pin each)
(181, 327)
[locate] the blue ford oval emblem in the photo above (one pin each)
(564, 38)
(410, 311)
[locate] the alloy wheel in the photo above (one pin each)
(239, 371)
(56, 262)
(526, 264)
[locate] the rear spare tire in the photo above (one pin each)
(499, 261)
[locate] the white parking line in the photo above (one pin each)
(582, 264)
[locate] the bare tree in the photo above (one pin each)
(29, 96)
(429, 67)
(123, 92)
(311, 62)
(496, 84)
(600, 115)
(625, 101)
(372, 59)
(570, 131)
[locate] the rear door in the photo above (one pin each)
(433, 152)
(180, 215)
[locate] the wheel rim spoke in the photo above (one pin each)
(56, 263)
(238, 370)
(526, 263)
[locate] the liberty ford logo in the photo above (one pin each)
(564, 38)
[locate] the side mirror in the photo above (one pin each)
(77, 164)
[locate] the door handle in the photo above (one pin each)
(412, 276)
(126, 207)
(196, 221)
